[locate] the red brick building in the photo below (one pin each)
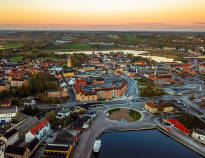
(112, 92)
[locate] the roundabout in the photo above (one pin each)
(123, 115)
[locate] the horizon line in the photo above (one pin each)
(108, 30)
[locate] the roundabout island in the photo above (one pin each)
(123, 115)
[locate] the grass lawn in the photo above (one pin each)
(8, 45)
(134, 114)
(113, 110)
(16, 59)
(136, 39)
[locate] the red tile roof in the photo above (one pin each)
(77, 88)
(150, 104)
(38, 126)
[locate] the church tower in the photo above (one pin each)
(69, 62)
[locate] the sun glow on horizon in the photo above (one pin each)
(106, 14)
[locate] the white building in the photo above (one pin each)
(55, 69)
(29, 101)
(199, 135)
(39, 131)
(6, 114)
(63, 113)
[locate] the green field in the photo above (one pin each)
(136, 39)
(16, 59)
(8, 45)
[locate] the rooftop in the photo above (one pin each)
(38, 126)
(10, 133)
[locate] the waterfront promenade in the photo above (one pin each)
(100, 124)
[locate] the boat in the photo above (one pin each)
(97, 146)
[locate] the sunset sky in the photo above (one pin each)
(103, 14)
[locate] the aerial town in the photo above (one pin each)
(63, 93)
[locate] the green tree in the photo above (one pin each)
(51, 116)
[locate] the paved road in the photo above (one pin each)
(86, 139)
(70, 91)
(100, 124)
(186, 139)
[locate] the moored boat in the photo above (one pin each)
(97, 146)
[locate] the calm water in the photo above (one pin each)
(142, 144)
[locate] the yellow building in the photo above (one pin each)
(91, 68)
(58, 150)
(69, 64)
(10, 79)
(161, 107)
(120, 70)
(68, 74)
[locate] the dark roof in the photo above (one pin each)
(190, 121)
(12, 149)
(58, 147)
(64, 138)
(10, 133)
(33, 143)
(79, 123)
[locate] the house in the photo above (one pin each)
(202, 69)
(141, 62)
(57, 94)
(81, 123)
(13, 151)
(32, 71)
(55, 69)
(81, 81)
(68, 73)
(29, 101)
(3, 87)
(6, 114)
(18, 82)
(199, 135)
(89, 68)
(160, 107)
(11, 137)
(38, 131)
(94, 61)
(63, 113)
(58, 76)
(98, 81)
(5, 102)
